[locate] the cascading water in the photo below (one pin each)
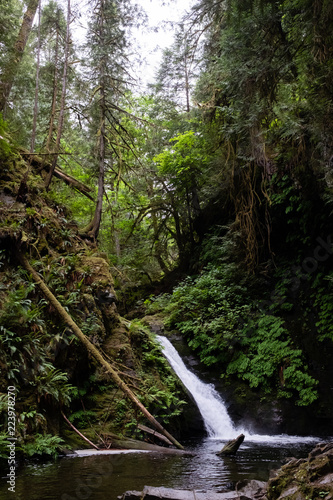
(211, 406)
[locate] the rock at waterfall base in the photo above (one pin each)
(232, 446)
(307, 478)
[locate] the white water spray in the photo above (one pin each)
(211, 406)
(209, 402)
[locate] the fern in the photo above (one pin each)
(43, 445)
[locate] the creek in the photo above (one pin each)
(104, 476)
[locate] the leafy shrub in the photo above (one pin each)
(209, 311)
(217, 316)
(43, 445)
(268, 359)
(324, 305)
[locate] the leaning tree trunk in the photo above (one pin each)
(12, 65)
(93, 351)
(232, 446)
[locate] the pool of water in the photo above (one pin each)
(104, 477)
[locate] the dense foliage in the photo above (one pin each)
(217, 178)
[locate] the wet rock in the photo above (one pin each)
(305, 478)
(232, 446)
(154, 493)
(255, 490)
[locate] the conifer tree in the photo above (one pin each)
(53, 40)
(13, 61)
(179, 67)
(34, 126)
(63, 98)
(109, 76)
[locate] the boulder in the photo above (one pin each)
(255, 490)
(302, 479)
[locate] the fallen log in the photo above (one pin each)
(36, 160)
(144, 428)
(245, 490)
(71, 181)
(93, 351)
(232, 446)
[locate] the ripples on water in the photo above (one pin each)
(104, 477)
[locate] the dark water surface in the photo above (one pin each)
(104, 477)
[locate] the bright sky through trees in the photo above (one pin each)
(161, 18)
(148, 41)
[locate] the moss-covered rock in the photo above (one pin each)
(304, 479)
(99, 271)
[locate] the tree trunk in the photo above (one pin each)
(11, 68)
(63, 99)
(92, 229)
(34, 125)
(92, 349)
(55, 93)
(23, 189)
(159, 251)
(187, 84)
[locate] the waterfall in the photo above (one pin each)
(209, 402)
(211, 406)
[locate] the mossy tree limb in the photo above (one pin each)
(92, 349)
(78, 432)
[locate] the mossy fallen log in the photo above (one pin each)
(146, 429)
(93, 351)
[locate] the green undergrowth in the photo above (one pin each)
(51, 371)
(40, 356)
(225, 317)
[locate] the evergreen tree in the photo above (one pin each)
(179, 68)
(15, 54)
(109, 76)
(63, 98)
(34, 126)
